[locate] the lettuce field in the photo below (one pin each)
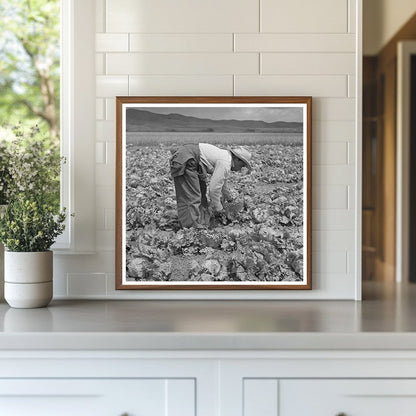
(260, 241)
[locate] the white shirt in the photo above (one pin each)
(217, 163)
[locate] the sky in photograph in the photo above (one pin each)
(267, 114)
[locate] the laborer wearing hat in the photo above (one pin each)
(189, 166)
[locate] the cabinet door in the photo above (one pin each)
(347, 397)
(86, 397)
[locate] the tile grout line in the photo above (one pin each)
(348, 197)
(104, 16)
(260, 64)
(347, 268)
(260, 20)
(348, 16)
(348, 85)
(233, 84)
(348, 153)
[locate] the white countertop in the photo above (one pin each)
(384, 320)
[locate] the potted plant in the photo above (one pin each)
(28, 228)
(32, 220)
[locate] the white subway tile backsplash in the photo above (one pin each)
(339, 286)
(100, 64)
(300, 16)
(99, 262)
(109, 218)
(86, 284)
(310, 85)
(181, 42)
(111, 86)
(99, 109)
(351, 153)
(352, 18)
(182, 63)
(333, 174)
(332, 130)
(105, 240)
(350, 261)
(60, 284)
(332, 220)
(333, 240)
(105, 175)
(330, 153)
(111, 153)
(112, 42)
(100, 15)
(333, 109)
(307, 63)
(181, 85)
(330, 196)
(100, 218)
(351, 86)
(105, 130)
(110, 109)
(111, 284)
(294, 42)
(351, 197)
(105, 196)
(329, 262)
(182, 16)
(100, 156)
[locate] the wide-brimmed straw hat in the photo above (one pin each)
(243, 154)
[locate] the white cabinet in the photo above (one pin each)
(349, 397)
(319, 383)
(86, 397)
(112, 383)
(207, 383)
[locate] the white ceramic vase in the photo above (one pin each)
(28, 278)
(2, 211)
(1, 271)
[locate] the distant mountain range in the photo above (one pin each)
(146, 121)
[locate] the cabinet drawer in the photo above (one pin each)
(86, 397)
(348, 397)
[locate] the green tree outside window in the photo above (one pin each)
(30, 63)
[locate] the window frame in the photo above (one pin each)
(77, 100)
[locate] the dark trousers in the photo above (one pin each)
(190, 185)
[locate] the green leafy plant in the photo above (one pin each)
(30, 168)
(30, 225)
(5, 175)
(29, 163)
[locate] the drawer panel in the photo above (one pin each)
(86, 397)
(349, 397)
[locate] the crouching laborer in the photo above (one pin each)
(189, 166)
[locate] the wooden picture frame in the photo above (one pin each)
(260, 240)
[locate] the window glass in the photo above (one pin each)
(30, 71)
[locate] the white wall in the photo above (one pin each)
(232, 47)
(381, 20)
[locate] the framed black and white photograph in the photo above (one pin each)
(213, 193)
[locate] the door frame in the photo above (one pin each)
(404, 51)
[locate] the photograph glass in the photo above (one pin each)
(213, 193)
